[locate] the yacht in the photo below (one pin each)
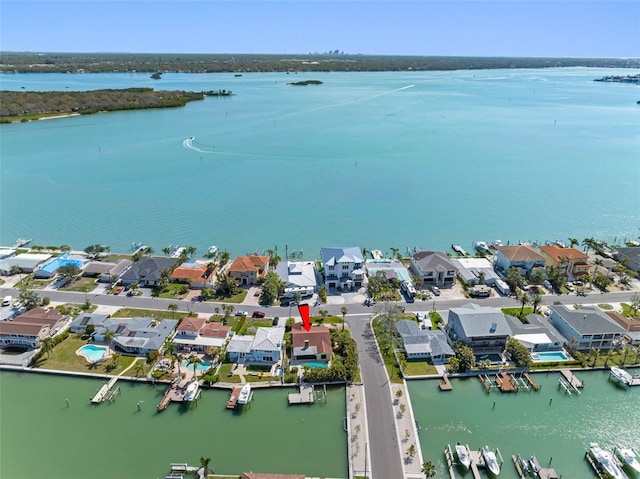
(490, 460)
(192, 391)
(464, 456)
(245, 394)
(213, 250)
(606, 460)
(481, 246)
(628, 457)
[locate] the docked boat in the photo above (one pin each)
(606, 461)
(621, 375)
(22, 242)
(245, 395)
(192, 391)
(628, 457)
(481, 246)
(490, 460)
(376, 254)
(213, 250)
(464, 455)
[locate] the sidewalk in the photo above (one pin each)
(357, 432)
(407, 432)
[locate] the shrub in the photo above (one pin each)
(152, 356)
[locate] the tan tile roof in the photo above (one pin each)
(521, 252)
(27, 329)
(191, 324)
(215, 330)
(317, 336)
(192, 273)
(250, 262)
(557, 253)
(40, 313)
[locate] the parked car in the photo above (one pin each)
(569, 286)
(119, 290)
(435, 290)
(258, 314)
(240, 312)
(275, 321)
(547, 284)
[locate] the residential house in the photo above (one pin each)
(523, 257)
(482, 328)
(197, 274)
(629, 257)
(248, 269)
(80, 323)
(106, 271)
(263, 348)
(630, 325)
(30, 328)
(49, 269)
(298, 277)
(587, 327)
(434, 267)
(423, 344)
(342, 267)
(195, 334)
(148, 271)
(572, 263)
(137, 336)
(471, 270)
(313, 345)
(537, 334)
(392, 269)
(27, 262)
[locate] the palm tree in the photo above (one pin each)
(428, 469)
(524, 300)
(139, 369)
(173, 307)
(394, 252)
(149, 251)
(536, 299)
(166, 250)
(108, 336)
(365, 252)
(191, 250)
(344, 312)
(589, 243)
(204, 463)
(596, 355)
(608, 357)
(47, 346)
(573, 242)
(195, 360)
(625, 351)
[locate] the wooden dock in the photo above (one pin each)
(232, 403)
(448, 454)
(486, 384)
(532, 382)
(503, 380)
(476, 460)
(445, 384)
(105, 393)
(516, 462)
(175, 393)
(572, 379)
(305, 396)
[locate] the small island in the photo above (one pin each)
(218, 93)
(305, 83)
(156, 76)
(635, 79)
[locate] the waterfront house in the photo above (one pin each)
(27, 262)
(148, 271)
(630, 257)
(482, 328)
(197, 274)
(195, 334)
(392, 269)
(537, 334)
(313, 345)
(105, 271)
(434, 267)
(49, 269)
(523, 257)
(587, 327)
(6, 253)
(342, 267)
(630, 325)
(137, 336)
(80, 323)
(298, 277)
(423, 343)
(472, 269)
(263, 348)
(571, 263)
(30, 328)
(248, 269)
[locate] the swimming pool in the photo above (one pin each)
(549, 356)
(201, 367)
(316, 365)
(93, 353)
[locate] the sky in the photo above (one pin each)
(539, 28)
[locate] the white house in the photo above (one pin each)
(342, 267)
(263, 348)
(298, 276)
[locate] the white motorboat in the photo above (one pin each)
(481, 246)
(607, 461)
(464, 455)
(192, 391)
(245, 394)
(628, 457)
(490, 460)
(621, 375)
(213, 249)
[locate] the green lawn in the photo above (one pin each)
(516, 311)
(388, 357)
(29, 283)
(64, 357)
(158, 315)
(419, 368)
(236, 298)
(627, 311)
(175, 291)
(327, 320)
(82, 284)
(225, 375)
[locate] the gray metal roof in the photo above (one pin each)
(537, 325)
(480, 321)
(148, 269)
(331, 256)
(587, 320)
(418, 341)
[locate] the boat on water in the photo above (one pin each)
(213, 249)
(23, 242)
(192, 391)
(490, 460)
(621, 375)
(376, 254)
(628, 457)
(606, 461)
(464, 455)
(481, 246)
(245, 395)
(458, 249)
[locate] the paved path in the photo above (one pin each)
(383, 437)
(357, 432)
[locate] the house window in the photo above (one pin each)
(345, 266)
(330, 267)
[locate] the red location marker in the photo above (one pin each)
(303, 309)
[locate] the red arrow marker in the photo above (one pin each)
(303, 309)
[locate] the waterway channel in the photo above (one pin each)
(554, 426)
(41, 437)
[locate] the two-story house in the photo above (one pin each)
(434, 267)
(523, 257)
(587, 327)
(263, 348)
(313, 345)
(298, 277)
(195, 334)
(342, 267)
(30, 328)
(423, 343)
(197, 274)
(248, 269)
(571, 263)
(482, 328)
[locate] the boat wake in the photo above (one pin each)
(191, 144)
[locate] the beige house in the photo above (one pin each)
(247, 269)
(571, 262)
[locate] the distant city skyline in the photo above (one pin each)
(564, 28)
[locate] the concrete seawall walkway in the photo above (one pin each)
(357, 432)
(407, 430)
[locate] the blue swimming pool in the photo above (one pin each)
(317, 365)
(93, 353)
(549, 356)
(203, 366)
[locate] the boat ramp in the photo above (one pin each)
(308, 395)
(508, 382)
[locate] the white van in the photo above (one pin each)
(7, 301)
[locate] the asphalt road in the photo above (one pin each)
(383, 443)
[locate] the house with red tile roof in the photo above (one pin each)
(197, 274)
(313, 345)
(571, 262)
(195, 334)
(248, 269)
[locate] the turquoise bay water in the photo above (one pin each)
(553, 426)
(94, 353)
(398, 159)
(41, 437)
